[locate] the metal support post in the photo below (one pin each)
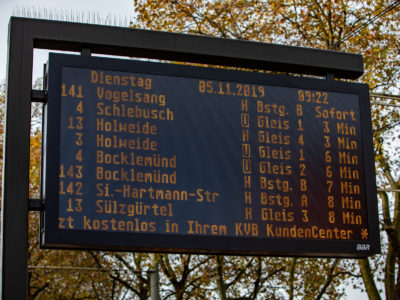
(154, 281)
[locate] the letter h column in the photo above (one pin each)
(246, 157)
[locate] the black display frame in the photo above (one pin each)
(75, 239)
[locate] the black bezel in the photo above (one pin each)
(53, 237)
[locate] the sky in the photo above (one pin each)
(103, 9)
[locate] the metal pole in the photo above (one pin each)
(15, 195)
(154, 281)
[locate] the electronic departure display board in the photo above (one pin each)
(159, 157)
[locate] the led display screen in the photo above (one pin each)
(158, 157)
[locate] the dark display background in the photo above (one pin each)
(206, 137)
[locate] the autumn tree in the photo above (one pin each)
(133, 271)
(370, 28)
(57, 274)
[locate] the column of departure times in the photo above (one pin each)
(328, 167)
(334, 122)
